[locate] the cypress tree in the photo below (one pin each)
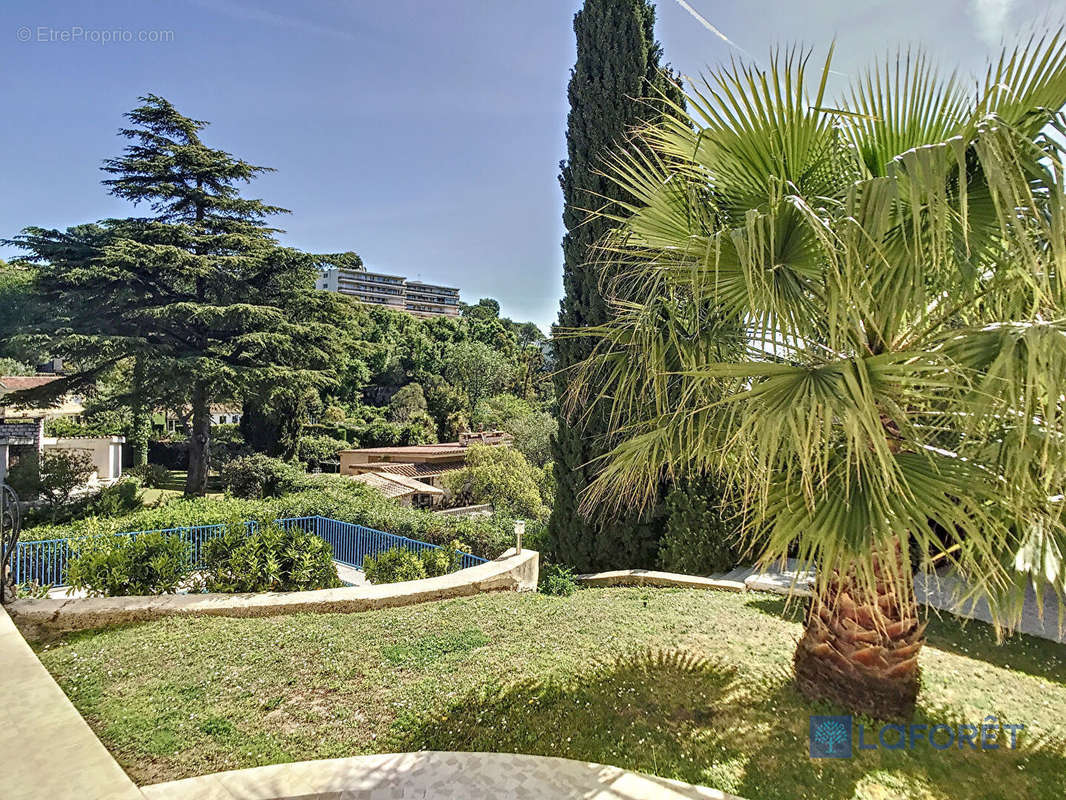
(200, 295)
(613, 88)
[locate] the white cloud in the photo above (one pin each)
(991, 17)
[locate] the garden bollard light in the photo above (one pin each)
(519, 529)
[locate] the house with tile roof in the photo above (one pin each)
(407, 491)
(22, 430)
(420, 463)
(70, 406)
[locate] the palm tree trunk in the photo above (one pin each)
(860, 649)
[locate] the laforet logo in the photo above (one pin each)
(830, 736)
(839, 736)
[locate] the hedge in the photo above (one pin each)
(330, 496)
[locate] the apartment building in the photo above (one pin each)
(430, 300)
(392, 291)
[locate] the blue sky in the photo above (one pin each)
(423, 134)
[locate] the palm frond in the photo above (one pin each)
(854, 315)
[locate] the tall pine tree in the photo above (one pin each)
(200, 296)
(613, 88)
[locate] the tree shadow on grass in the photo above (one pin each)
(677, 716)
(1021, 652)
(791, 609)
(638, 703)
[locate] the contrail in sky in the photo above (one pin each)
(703, 21)
(706, 24)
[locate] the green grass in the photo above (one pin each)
(684, 684)
(175, 487)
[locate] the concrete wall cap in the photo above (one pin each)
(647, 577)
(440, 775)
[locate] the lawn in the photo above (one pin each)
(685, 684)
(175, 487)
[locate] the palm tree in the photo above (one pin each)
(894, 266)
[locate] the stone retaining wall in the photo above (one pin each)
(485, 509)
(647, 577)
(514, 572)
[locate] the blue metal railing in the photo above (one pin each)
(352, 543)
(45, 561)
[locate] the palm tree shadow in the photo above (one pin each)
(604, 705)
(667, 714)
(677, 716)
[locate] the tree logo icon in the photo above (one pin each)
(830, 736)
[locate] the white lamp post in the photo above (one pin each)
(519, 529)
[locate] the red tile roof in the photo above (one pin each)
(411, 470)
(395, 485)
(382, 484)
(16, 383)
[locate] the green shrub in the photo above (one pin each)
(700, 534)
(227, 443)
(435, 562)
(68, 428)
(10, 366)
(117, 566)
(24, 475)
(338, 432)
(53, 475)
(314, 451)
(32, 590)
(501, 476)
(111, 501)
(442, 560)
(62, 473)
(270, 559)
(393, 566)
(334, 413)
(119, 498)
(420, 429)
(153, 476)
(227, 435)
(255, 476)
(557, 580)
